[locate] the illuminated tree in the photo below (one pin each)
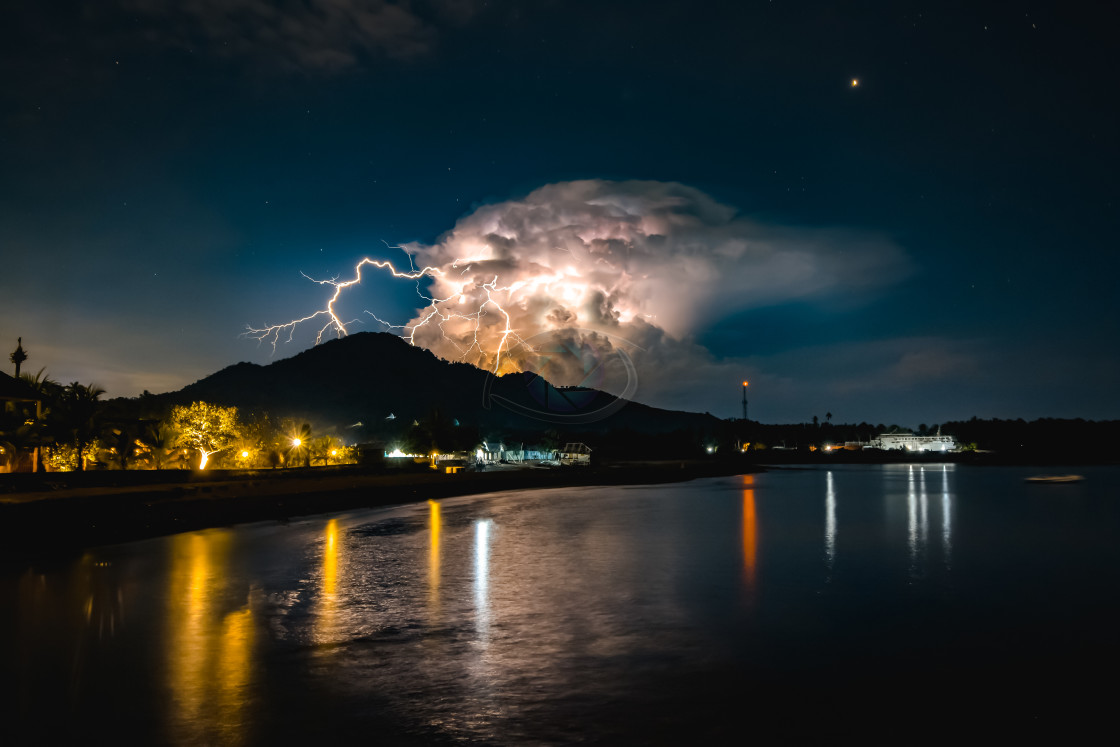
(205, 427)
(258, 445)
(329, 450)
(301, 444)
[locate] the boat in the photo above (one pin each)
(1056, 478)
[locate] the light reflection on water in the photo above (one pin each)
(750, 534)
(918, 509)
(209, 646)
(830, 522)
(604, 615)
(433, 558)
(482, 578)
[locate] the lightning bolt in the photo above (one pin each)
(431, 314)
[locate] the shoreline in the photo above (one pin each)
(59, 520)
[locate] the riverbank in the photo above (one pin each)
(48, 516)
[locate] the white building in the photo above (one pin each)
(910, 442)
(575, 453)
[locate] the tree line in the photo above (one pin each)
(72, 429)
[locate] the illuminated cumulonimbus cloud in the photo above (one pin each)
(605, 264)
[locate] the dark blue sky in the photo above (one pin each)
(165, 177)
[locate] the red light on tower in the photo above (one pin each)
(745, 400)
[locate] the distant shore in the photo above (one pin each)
(54, 515)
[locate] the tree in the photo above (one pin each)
(434, 433)
(301, 444)
(122, 441)
(205, 427)
(159, 440)
(77, 416)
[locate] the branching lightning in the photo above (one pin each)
(272, 334)
(436, 313)
(574, 273)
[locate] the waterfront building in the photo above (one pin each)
(910, 442)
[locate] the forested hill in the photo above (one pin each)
(382, 382)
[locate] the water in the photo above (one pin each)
(900, 604)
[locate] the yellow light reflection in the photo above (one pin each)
(750, 534)
(330, 560)
(327, 613)
(210, 652)
(435, 525)
(234, 672)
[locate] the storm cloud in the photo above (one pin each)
(600, 266)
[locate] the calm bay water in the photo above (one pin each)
(896, 603)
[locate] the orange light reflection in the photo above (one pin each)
(750, 534)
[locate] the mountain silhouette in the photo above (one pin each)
(383, 383)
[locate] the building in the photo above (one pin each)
(910, 442)
(15, 393)
(575, 454)
(489, 452)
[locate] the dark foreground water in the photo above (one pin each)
(895, 604)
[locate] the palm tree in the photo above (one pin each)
(161, 443)
(123, 440)
(78, 416)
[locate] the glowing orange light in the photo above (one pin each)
(745, 383)
(855, 82)
(296, 442)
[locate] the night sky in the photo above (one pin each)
(936, 242)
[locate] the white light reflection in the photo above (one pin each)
(923, 505)
(482, 577)
(914, 521)
(917, 500)
(946, 517)
(830, 523)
